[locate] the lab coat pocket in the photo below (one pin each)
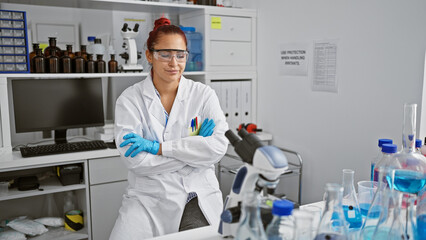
(193, 127)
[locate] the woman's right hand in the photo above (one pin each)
(207, 127)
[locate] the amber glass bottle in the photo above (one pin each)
(91, 64)
(112, 64)
(69, 50)
(83, 52)
(53, 62)
(52, 45)
(65, 62)
(32, 55)
(39, 62)
(100, 64)
(79, 63)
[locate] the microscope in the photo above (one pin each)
(131, 54)
(263, 165)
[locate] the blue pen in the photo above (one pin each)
(192, 124)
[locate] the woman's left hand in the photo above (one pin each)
(207, 127)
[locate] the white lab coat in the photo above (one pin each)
(159, 184)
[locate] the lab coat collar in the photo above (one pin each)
(148, 88)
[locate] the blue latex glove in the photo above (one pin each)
(139, 144)
(207, 127)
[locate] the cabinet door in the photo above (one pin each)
(103, 170)
(230, 53)
(105, 202)
(232, 29)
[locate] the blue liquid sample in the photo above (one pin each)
(353, 216)
(421, 227)
(329, 236)
(372, 171)
(374, 213)
(409, 181)
(382, 234)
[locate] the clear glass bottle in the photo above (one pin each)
(350, 201)
(388, 150)
(379, 156)
(409, 173)
(70, 52)
(65, 63)
(302, 225)
(250, 226)
(282, 224)
(333, 225)
(79, 63)
(418, 145)
(91, 64)
(112, 64)
(52, 45)
(39, 62)
(100, 64)
(32, 55)
(53, 62)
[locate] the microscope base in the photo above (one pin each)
(130, 68)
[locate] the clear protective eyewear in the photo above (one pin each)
(166, 55)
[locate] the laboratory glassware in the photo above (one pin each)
(112, 64)
(379, 156)
(315, 212)
(195, 49)
(421, 215)
(32, 55)
(366, 192)
(409, 174)
(388, 151)
(91, 64)
(250, 226)
(83, 52)
(410, 221)
(350, 201)
(333, 225)
(302, 225)
(53, 62)
(282, 224)
(79, 63)
(39, 62)
(52, 45)
(418, 145)
(91, 42)
(70, 52)
(65, 62)
(100, 64)
(423, 148)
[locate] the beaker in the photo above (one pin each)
(350, 201)
(333, 224)
(366, 192)
(250, 226)
(302, 225)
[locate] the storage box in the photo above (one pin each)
(69, 174)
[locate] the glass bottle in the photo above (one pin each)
(70, 52)
(83, 52)
(411, 224)
(100, 64)
(421, 215)
(32, 55)
(53, 62)
(350, 201)
(281, 226)
(333, 225)
(79, 63)
(302, 225)
(418, 145)
(250, 226)
(379, 156)
(65, 62)
(388, 151)
(409, 173)
(39, 62)
(112, 64)
(91, 65)
(52, 45)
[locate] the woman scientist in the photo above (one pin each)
(170, 133)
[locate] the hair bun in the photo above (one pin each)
(161, 22)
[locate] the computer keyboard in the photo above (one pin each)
(62, 148)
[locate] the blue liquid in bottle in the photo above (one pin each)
(372, 172)
(409, 181)
(382, 234)
(375, 211)
(352, 216)
(421, 227)
(329, 236)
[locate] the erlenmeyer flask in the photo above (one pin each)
(410, 166)
(333, 225)
(350, 201)
(250, 226)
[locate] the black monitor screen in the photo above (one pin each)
(57, 104)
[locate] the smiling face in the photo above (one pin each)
(167, 71)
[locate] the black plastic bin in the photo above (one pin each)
(69, 174)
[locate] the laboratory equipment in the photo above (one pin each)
(100, 64)
(53, 62)
(69, 200)
(263, 165)
(333, 225)
(378, 156)
(79, 63)
(366, 192)
(388, 151)
(411, 221)
(131, 54)
(32, 55)
(350, 201)
(39, 62)
(90, 43)
(98, 48)
(112, 64)
(421, 215)
(195, 49)
(70, 52)
(282, 224)
(303, 221)
(250, 226)
(83, 51)
(315, 212)
(91, 64)
(65, 63)
(423, 148)
(52, 46)
(57, 104)
(418, 145)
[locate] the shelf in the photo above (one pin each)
(51, 185)
(62, 234)
(83, 75)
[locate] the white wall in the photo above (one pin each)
(381, 49)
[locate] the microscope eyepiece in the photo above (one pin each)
(136, 27)
(124, 28)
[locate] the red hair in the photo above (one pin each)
(163, 26)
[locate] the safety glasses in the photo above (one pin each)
(166, 55)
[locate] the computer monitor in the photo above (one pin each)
(57, 104)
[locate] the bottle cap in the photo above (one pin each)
(384, 140)
(389, 148)
(282, 207)
(98, 40)
(91, 39)
(418, 143)
(188, 29)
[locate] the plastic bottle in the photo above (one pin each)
(195, 48)
(90, 43)
(378, 156)
(350, 201)
(69, 202)
(98, 48)
(423, 149)
(250, 226)
(418, 145)
(282, 224)
(388, 150)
